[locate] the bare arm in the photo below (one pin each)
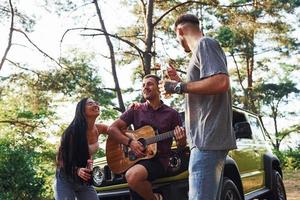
(115, 132)
(212, 85)
(102, 128)
(215, 84)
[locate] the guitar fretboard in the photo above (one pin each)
(160, 137)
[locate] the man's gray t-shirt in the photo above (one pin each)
(208, 118)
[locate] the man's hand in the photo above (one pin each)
(167, 86)
(172, 73)
(137, 148)
(180, 136)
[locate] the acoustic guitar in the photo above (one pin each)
(120, 157)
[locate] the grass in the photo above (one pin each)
(291, 180)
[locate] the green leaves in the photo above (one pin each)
(275, 92)
(18, 174)
(228, 39)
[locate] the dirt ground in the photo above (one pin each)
(291, 180)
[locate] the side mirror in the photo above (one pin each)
(242, 130)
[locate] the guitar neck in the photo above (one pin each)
(160, 137)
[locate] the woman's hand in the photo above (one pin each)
(84, 173)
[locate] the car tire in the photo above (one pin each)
(278, 191)
(229, 190)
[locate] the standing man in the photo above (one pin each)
(208, 114)
(161, 117)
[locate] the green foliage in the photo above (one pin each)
(290, 159)
(272, 93)
(29, 118)
(251, 28)
(24, 114)
(226, 37)
(272, 96)
(78, 79)
(19, 176)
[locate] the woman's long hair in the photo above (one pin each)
(74, 151)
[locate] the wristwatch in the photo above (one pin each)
(178, 88)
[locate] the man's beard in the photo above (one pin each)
(148, 97)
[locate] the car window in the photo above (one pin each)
(257, 132)
(239, 117)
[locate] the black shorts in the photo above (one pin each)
(154, 167)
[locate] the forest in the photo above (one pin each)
(53, 53)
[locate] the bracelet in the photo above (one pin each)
(183, 87)
(129, 142)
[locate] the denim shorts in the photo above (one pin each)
(65, 188)
(205, 174)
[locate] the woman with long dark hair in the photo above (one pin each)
(74, 159)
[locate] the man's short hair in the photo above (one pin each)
(156, 78)
(187, 18)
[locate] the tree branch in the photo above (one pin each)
(41, 51)
(15, 122)
(103, 33)
(9, 35)
(238, 71)
(24, 68)
(288, 131)
(197, 2)
(173, 8)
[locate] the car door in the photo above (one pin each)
(247, 157)
(259, 148)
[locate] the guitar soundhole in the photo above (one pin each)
(143, 141)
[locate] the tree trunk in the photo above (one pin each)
(274, 116)
(112, 59)
(10, 35)
(149, 37)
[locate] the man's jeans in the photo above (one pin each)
(66, 188)
(205, 174)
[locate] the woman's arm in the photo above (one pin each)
(102, 128)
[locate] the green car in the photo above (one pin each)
(251, 171)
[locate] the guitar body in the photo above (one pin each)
(120, 158)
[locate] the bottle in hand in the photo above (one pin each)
(89, 166)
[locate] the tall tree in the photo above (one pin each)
(277, 92)
(140, 37)
(150, 29)
(250, 28)
(275, 96)
(112, 58)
